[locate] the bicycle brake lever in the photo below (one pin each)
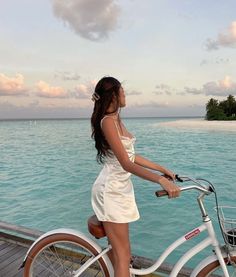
(178, 178)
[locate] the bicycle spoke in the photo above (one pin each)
(63, 258)
(58, 258)
(40, 266)
(51, 262)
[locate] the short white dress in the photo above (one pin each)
(113, 196)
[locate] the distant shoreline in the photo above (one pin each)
(216, 125)
(85, 118)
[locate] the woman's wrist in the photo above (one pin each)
(160, 168)
(161, 180)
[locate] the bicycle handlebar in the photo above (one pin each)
(197, 186)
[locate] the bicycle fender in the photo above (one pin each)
(206, 261)
(74, 233)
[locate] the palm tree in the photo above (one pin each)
(214, 111)
(229, 106)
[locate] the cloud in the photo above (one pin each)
(91, 19)
(12, 86)
(81, 91)
(204, 62)
(151, 104)
(216, 61)
(193, 91)
(84, 91)
(163, 89)
(226, 39)
(34, 103)
(47, 91)
(158, 92)
(67, 76)
(221, 88)
(133, 92)
(162, 86)
(33, 110)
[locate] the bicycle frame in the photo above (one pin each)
(209, 240)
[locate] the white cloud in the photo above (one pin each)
(47, 91)
(150, 104)
(221, 88)
(81, 91)
(91, 19)
(191, 91)
(133, 92)
(11, 110)
(162, 86)
(67, 76)
(84, 91)
(218, 60)
(12, 86)
(163, 89)
(226, 39)
(158, 92)
(181, 93)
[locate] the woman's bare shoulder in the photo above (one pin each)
(108, 118)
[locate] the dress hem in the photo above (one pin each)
(113, 221)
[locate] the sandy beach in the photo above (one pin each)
(201, 124)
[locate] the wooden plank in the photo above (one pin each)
(3, 245)
(6, 252)
(14, 269)
(7, 257)
(20, 229)
(16, 239)
(18, 274)
(11, 268)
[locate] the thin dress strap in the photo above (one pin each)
(114, 122)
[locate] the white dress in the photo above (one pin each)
(112, 193)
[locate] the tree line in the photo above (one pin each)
(221, 110)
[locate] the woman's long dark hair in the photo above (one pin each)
(107, 89)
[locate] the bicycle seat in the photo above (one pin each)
(95, 227)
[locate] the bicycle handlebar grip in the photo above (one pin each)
(160, 193)
(178, 178)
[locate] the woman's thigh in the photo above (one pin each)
(118, 236)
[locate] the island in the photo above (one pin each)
(221, 110)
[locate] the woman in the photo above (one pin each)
(113, 197)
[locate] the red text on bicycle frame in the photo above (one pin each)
(192, 234)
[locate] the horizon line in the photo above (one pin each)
(83, 118)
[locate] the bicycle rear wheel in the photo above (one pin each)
(214, 270)
(61, 255)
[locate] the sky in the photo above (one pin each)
(171, 56)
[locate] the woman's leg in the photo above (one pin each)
(118, 236)
(110, 254)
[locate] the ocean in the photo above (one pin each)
(47, 168)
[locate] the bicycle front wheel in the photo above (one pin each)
(214, 270)
(62, 255)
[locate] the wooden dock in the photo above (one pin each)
(11, 259)
(15, 241)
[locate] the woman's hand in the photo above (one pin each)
(169, 174)
(172, 189)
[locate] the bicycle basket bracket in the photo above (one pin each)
(227, 216)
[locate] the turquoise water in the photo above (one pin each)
(47, 168)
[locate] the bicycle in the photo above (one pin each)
(66, 252)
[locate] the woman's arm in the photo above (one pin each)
(113, 139)
(154, 166)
